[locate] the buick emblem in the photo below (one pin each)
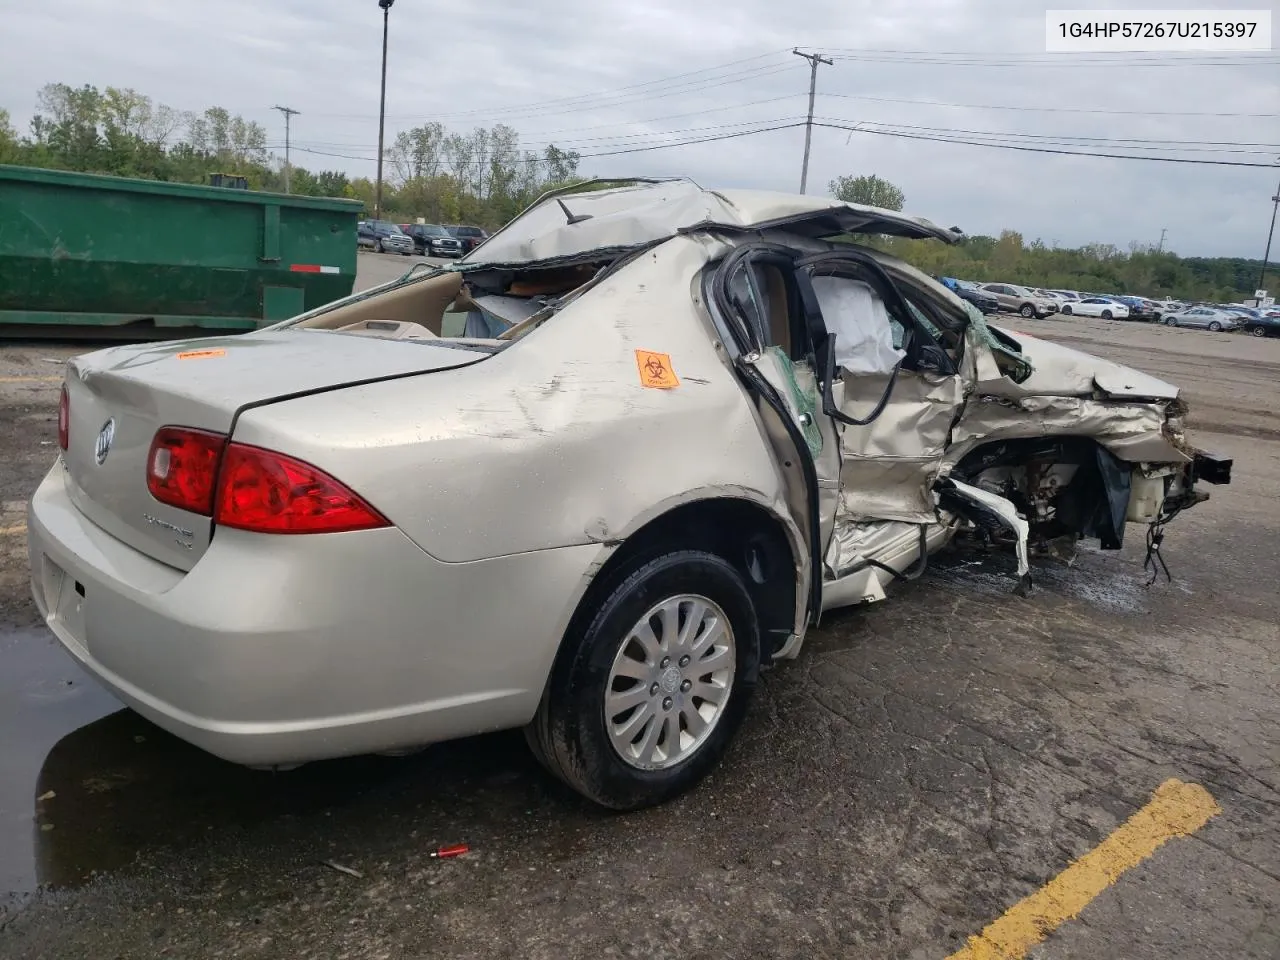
(103, 446)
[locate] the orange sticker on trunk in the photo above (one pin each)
(201, 354)
(655, 370)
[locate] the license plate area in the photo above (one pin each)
(66, 597)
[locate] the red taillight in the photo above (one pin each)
(182, 467)
(267, 492)
(64, 418)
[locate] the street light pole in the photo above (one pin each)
(382, 108)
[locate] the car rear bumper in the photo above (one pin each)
(276, 650)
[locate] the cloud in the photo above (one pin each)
(602, 77)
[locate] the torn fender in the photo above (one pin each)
(1134, 431)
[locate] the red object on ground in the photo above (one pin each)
(456, 850)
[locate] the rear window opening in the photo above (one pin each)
(482, 310)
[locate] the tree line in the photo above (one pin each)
(485, 177)
(1142, 270)
(481, 177)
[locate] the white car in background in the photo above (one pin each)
(1096, 307)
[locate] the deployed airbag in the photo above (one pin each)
(857, 317)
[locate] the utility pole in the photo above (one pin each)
(382, 108)
(1275, 204)
(814, 59)
(288, 112)
(1160, 247)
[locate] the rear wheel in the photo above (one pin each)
(377, 247)
(1215, 326)
(1259, 331)
(651, 683)
(1027, 310)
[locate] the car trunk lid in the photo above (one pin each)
(119, 397)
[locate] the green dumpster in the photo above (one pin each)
(80, 250)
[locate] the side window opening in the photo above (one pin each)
(765, 297)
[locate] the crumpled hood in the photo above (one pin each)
(1063, 372)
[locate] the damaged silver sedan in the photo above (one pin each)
(589, 481)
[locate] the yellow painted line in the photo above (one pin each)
(1176, 809)
(30, 379)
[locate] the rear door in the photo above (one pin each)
(759, 301)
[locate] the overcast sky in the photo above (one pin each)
(596, 76)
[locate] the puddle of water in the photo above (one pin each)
(43, 697)
(1105, 580)
(123, 787)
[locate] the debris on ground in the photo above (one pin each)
(456, 850)
(333, 865)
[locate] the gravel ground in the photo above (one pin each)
(926, 763)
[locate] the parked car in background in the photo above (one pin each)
(1103, 307)
(972, 293)
(382, 236)
(1140, 308)
(1053, 295)
(1205, 318)
(1065, 295)
(433, 240)
(471, 237)
(1266, 325)
(1244, 313)
(1020, 300)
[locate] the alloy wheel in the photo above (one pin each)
(670, 682)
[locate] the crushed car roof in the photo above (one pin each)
(569, 225)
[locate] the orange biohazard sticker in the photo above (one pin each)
(655, 370)
(201, 354)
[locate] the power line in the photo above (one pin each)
(1055, 60)
(1131, 143)
(613, 153)
(599, 126)
(1036, 149)
(1198, 146)
(632, 92)
(993, 106)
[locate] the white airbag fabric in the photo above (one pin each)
(857, 317)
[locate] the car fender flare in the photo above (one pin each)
(611, 541)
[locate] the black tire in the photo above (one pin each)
(1027, 310)
(1214, 326)
(1170, 322)
(1259, 331)
(1066, 309)
(568, 734)
(1107, 314)
(377, 247)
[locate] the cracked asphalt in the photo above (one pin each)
(926, 763)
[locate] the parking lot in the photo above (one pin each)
(927, 763)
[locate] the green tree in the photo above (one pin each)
(868, 189)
